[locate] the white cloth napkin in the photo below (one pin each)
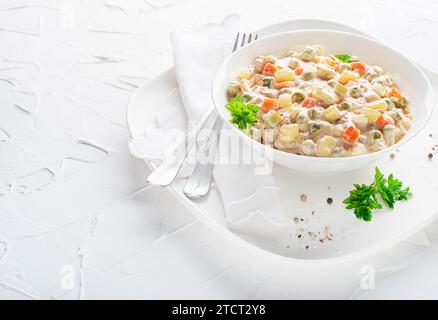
(249, 199)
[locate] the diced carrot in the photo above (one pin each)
(394, 93)
(309, 102)
(299, 71)
(282, 85)
(269, 69)
(270, 104)
(350, 135)
(359, 67)
(382, 121)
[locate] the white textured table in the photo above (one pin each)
(71, 222)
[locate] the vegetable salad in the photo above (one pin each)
(314, 104)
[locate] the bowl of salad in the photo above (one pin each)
(320, 100)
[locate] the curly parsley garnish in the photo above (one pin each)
(242, 114)
(346, 58)
(363, 199)
(391, 190)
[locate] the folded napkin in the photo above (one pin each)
(250, 198)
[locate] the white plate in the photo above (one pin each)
(352, 238)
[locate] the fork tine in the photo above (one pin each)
(256, 37)
(243, 40)
(236, 42)
(250, 38)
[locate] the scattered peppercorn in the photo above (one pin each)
(303, 197)
(329, 200)
(430, 155)
(392, 156)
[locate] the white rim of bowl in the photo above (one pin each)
(428, 100)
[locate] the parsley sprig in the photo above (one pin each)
(364, 198)
(242, 114)
(346, 58)
(391, 190)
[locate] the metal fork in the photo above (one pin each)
(198, 184)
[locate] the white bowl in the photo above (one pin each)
(412, 82)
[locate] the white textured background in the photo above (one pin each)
(71, 222)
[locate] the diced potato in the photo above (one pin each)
(308, 54)
(405, 123)
(331, 114)
(341, 90)
(294, 110)
(325, 72)
(358, 149)
(285, 74)
(323, 151)
(332, 83)
(268, 136)
(285, 100)
(345, 66)
(256, 134)
(288, 133)
(371, 114)
(272, 118)
(325, 146)
(347, 76)
(245, 74)
(389, 134)
(258, 63)
(233, 88)
(360, 121)
(327, 97)
(378, 105)
(371, 96)
(245, 85)
(339, 152)
(379, 88)
(302, 120)
(328, 141)
(400, 134)
(389, 103)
